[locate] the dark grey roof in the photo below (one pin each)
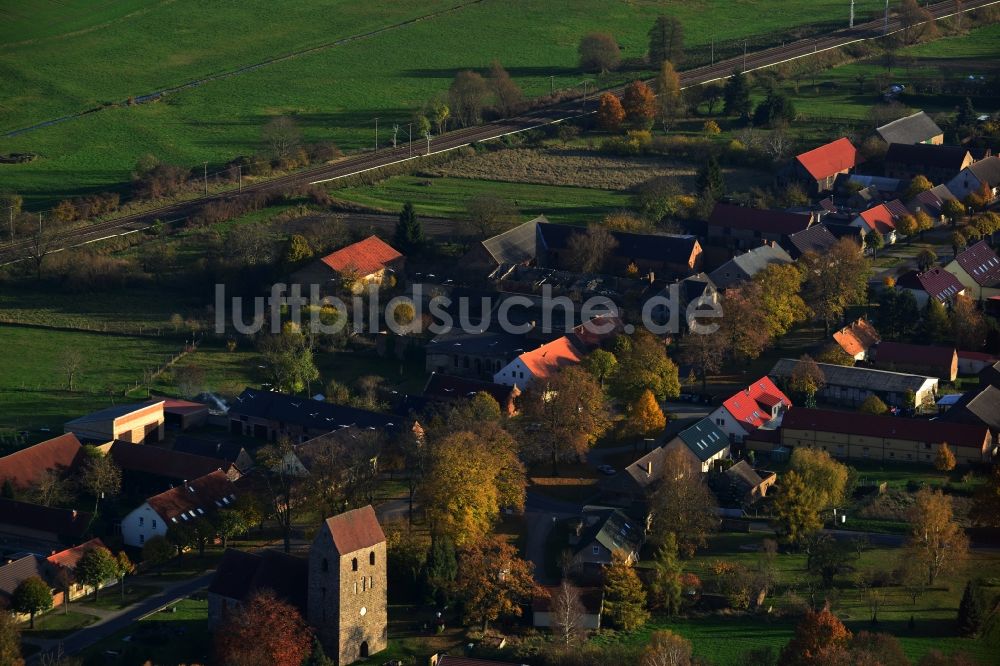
(110, 413)
(516, 245)
(305, 412)
(487, 343)
(65, 523)
(816, 238)
(748, 264)
(978, 406)
(12, 573)
(694, 286)
(987, 171)
(862, 378)
(240, 574)
(217, 448)
(925, 154)
(613, 530)
(912, 129)
(670, 248)
(705, 439)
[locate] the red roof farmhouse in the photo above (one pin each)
(819, 167)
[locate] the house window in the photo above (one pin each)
(154, 523)
(141, 521)
(324, 566)
(371, 558)
(354, 564)
(597, 550)
(142, 538)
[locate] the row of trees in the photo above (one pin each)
(899, 317)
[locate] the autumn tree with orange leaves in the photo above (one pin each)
(936, 542)
(494, 581)
(816, 636)
(265, 631)
(610, 114)
(639, 102)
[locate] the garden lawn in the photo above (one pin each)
(56, 624)
(334, 93)
(447, 197)
(111, 597)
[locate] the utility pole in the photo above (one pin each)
(885, 27)
(713, 51)
(428, 135)
(552, 84)
(11, 224)
(851, 23)
(376, 135)
(206, 179)
(409, 134)
(239, 170)
(745, 55)
(39, 223)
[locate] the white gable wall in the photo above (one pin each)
(141, 525)
(515, 373)
(728, 424)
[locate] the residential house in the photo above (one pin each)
(743, 267)
(980, 407)
(932, 201)
(591, 598)
(539, 364)
(882, 218)
(446, 388)
(885, 438)
(242, 574)
(740, 485)
(268, 415)
(753, 407)
(61, 456)
(745, 227)
(34, 526)
(600, 534)
(13, 573)
(698, 289)
(182, 504)
(938, 164)
(818, 168)
(933, 283)
(633, 484)
(61, 566)
(972, 363)
(365, 262)
(471, 354)
(184, 414)
(852, 385)
(225, 452)
(978, 269)
(971, 179)
(857, 339)
(940, 362)
(703, 444)
(664, 255)
(816, 239)
(135, 423)
(913, 129)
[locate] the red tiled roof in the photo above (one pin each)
(977, 356)
(899, 352)
(981, 263)
(364, 257)
(856, 337)
(204, 493)
(175, 406)
(71, 556)
(879, 218)
(752, 406)
(829, 159)
(25, 467)
(354, 530)
(157, 461)
(550, 357)
(939, 283)
(68, 523)
(856, 423)
(758, 219)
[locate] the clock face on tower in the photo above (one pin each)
(363, 611)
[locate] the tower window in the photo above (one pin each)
(354, 564)
(371, 558)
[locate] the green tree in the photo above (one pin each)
(985, 509)
(953, 210)
(599, 52)
(875, 241)
(966, 114)
(827, 557)
(230, 522)
(645, 365)
(288, 360)
(835, 280)
(157, 550)
(972, 610)
(936, 327)
(318, 656)
(665, 589)
(873, 405)
(32, 596)
(926, 259)
(96, 567)
(775, 110)
(666, 40)
(709, 180)
(10, 641)
(601, 364)
(736, 96)
(441, 569)
(796, 510)
(624, 596)
(123, 567)
(297, 250)
(917, 185)
(409, 230)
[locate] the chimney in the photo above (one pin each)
(652, 277)
(649, 468)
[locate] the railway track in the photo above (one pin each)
(21, 250)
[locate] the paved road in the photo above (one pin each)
(116, 621)
(22, 249)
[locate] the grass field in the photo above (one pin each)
(77, 61)
(447, 197)
(56, 624)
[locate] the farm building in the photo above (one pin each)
(818, 168)
(851, 386)
(60, 455)
(136, 423)
(938, 163)
(913, 129)
(940, 362)
(886, 438)
(366, 262)
(178, 506)
(857, 339)
(744, 266)
(744, 227)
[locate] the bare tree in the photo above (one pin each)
(588, 252)
(71, 360)
(567, 614)
(282, 137)
(489, 215)
(41, 240)
(467, 96)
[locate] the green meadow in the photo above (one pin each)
(66, 58)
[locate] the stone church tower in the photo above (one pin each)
(347, 586)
